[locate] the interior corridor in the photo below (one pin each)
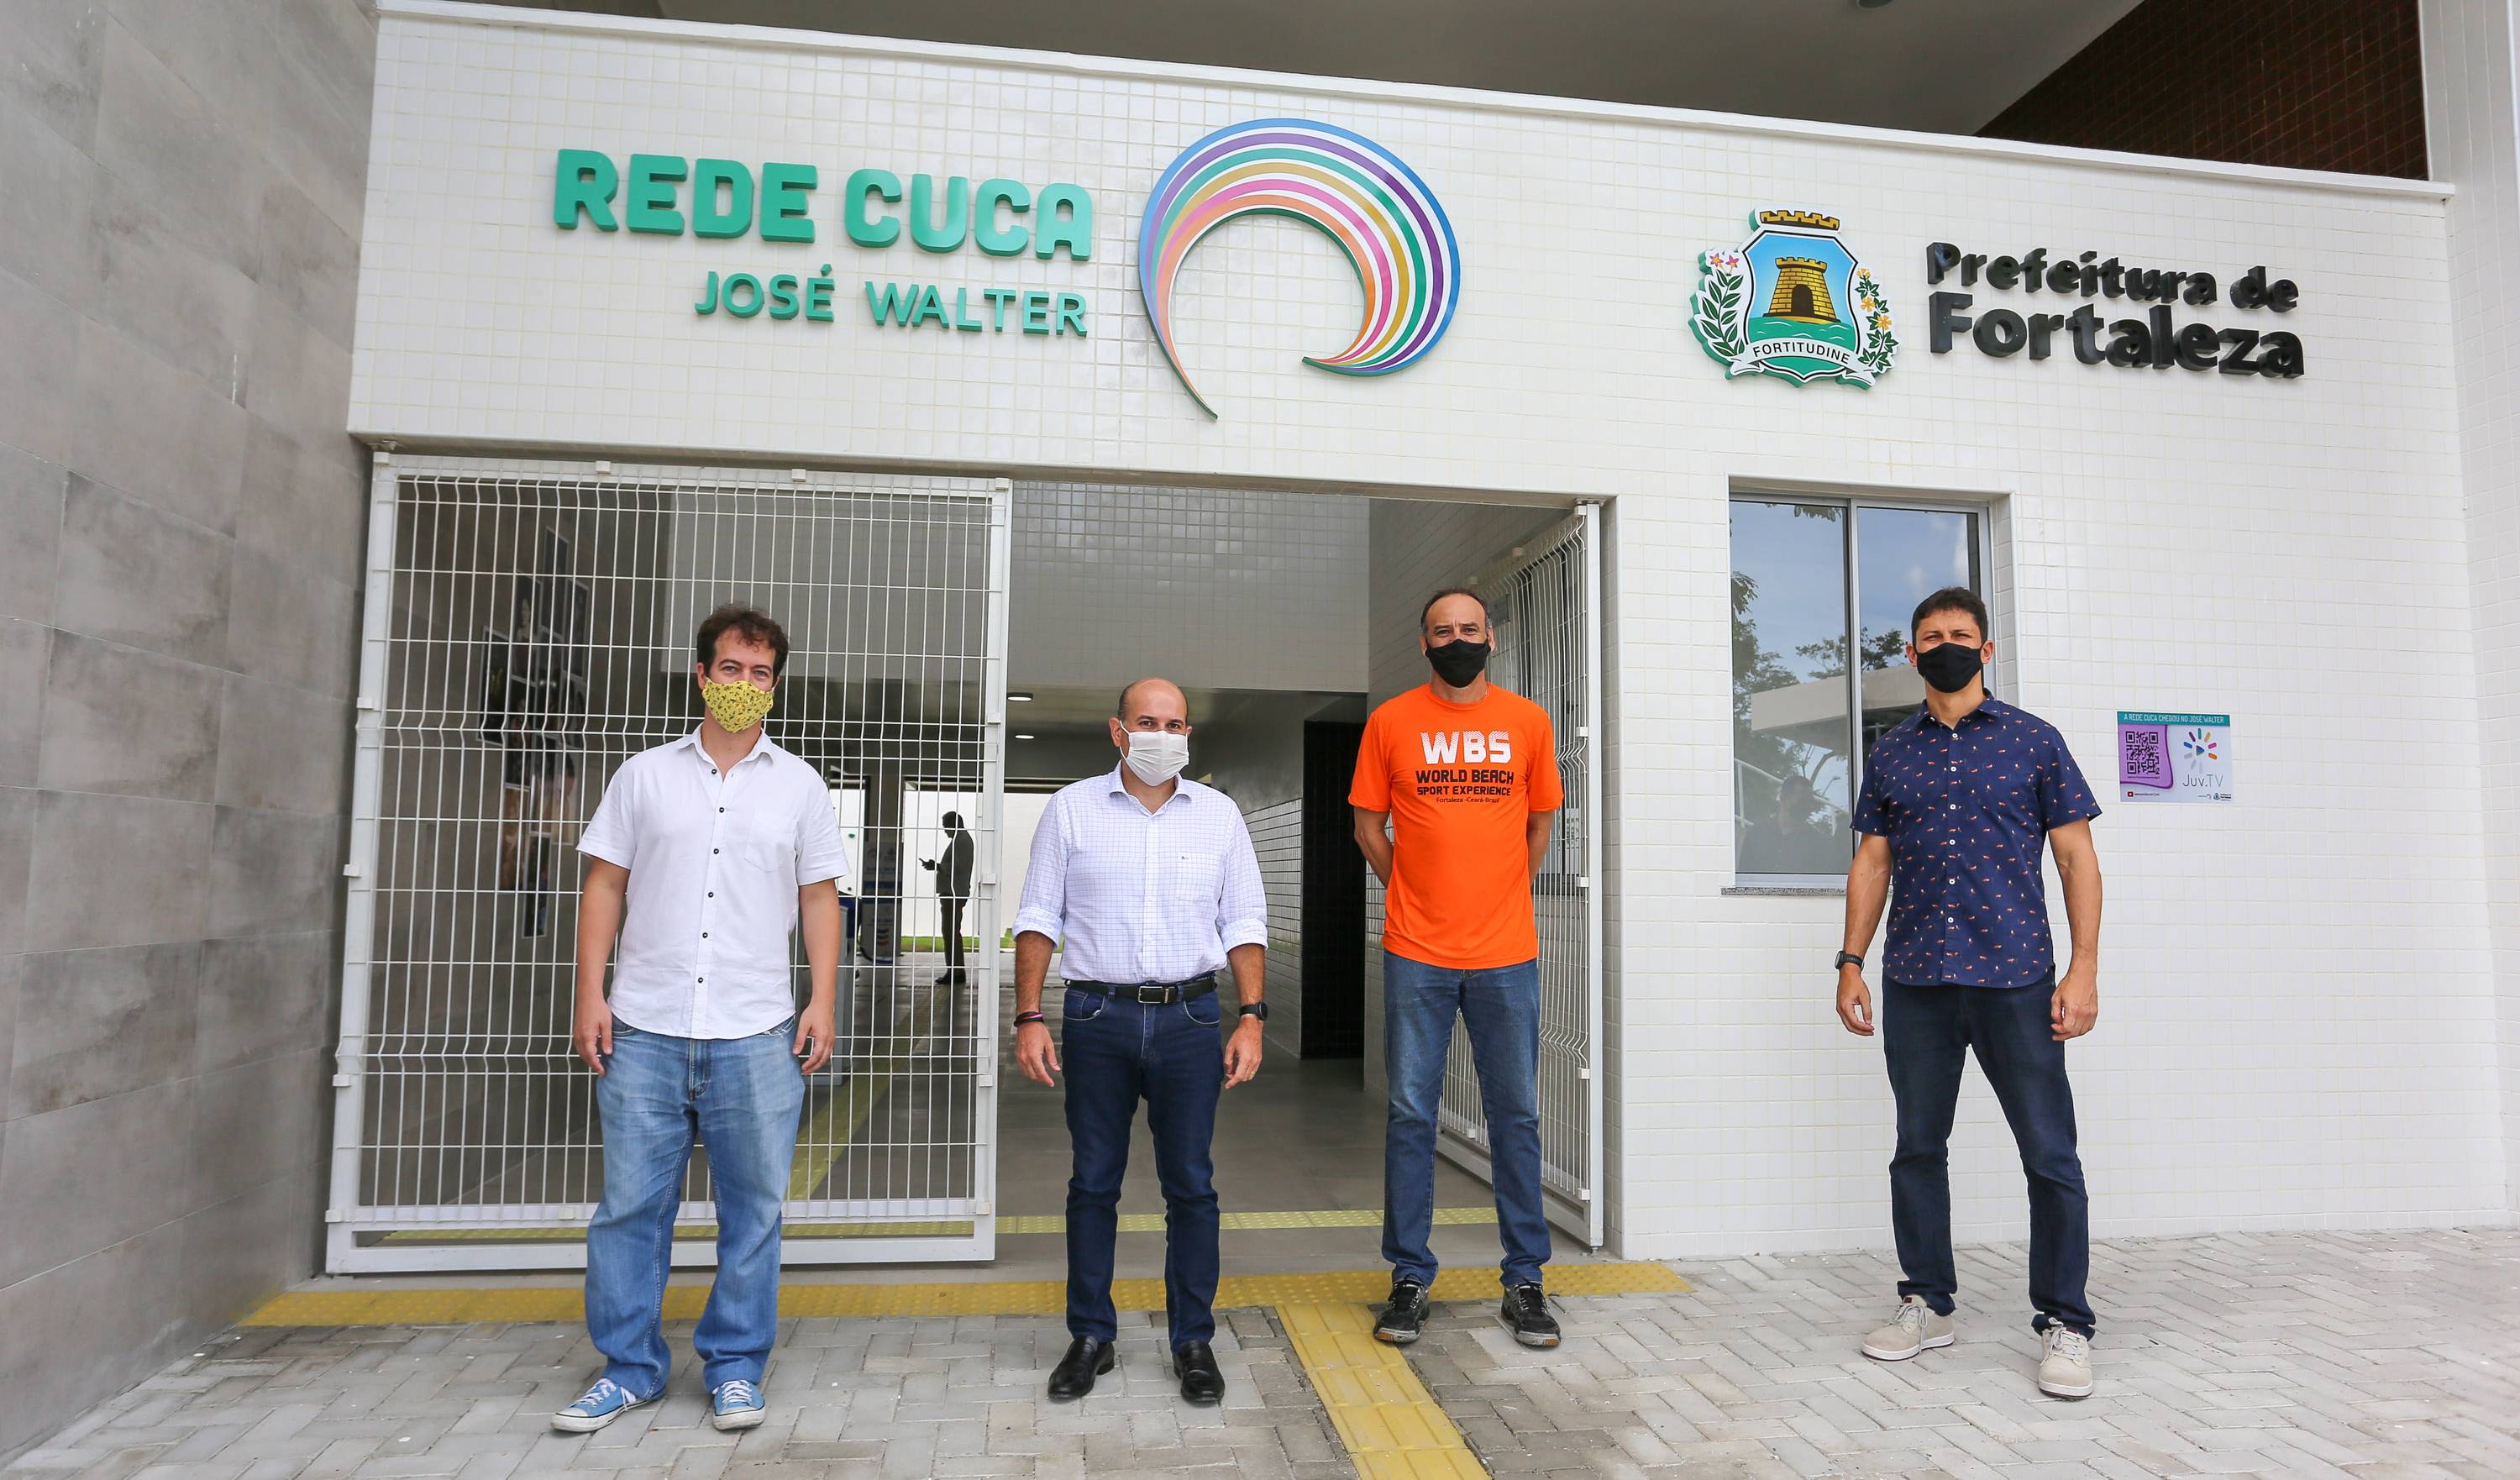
(1303, 1137)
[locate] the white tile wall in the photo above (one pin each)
(1218, 590)
(2469, 73)
(2299, 1003)
(1278, 841)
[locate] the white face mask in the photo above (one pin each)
(1156, 757)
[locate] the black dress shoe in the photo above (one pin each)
(1202, 1381)
(1087, 1358)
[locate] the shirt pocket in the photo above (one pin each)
(1194, 878)
(768, 851)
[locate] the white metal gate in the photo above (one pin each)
(1543, 606)
(528, 627)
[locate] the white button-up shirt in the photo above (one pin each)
(715, 863)
(1142, 896)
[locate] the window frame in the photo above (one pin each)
(1981, 514)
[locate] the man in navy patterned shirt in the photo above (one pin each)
(1957, 803)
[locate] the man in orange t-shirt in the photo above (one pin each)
(1455, 784)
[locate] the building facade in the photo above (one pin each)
(2156, 538)
(740, 272)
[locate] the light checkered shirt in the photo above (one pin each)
(1139, 896)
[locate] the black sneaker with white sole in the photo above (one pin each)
(1404, 1315)
(1526, 1312)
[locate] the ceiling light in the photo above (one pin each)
(1023, 737)
(1020, 698)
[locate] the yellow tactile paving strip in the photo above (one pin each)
(1013, 1297)
(1392, 1427)
(698, 1232)
(1028, 1223)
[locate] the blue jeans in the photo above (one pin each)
(1925, 1032)
(1116, 1051)
(1500, 1007)
(741, 1098)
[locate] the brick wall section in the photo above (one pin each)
(2324, 85)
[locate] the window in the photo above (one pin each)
(1814, 579)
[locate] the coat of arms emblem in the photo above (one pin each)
(1792, 301)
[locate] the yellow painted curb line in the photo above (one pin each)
(1013, 1297)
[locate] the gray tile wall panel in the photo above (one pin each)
(181, 527)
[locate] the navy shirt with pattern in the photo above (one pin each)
(1965, 810)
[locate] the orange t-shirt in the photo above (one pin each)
(1461, 783)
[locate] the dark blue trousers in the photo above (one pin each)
(1117, 1051)
(1925, 1034)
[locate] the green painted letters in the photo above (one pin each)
(1071, 313)
(782, 202)
(583, 180)
(985, 202)
(652, 178)
(999, 298)
(706, 219)
(893, 303)
(925, 229)
(1036, 313)
(865, 230)
(1074, 231)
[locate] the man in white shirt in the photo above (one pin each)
(703, 854)
(1150, 882)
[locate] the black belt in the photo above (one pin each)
(1151, 993)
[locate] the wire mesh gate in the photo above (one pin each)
(1543, 609)
(527, 629)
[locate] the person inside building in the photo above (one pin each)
(1455, 795)
(1805, 837)
(1148, 885)
(1956, 804)
(705, 854)
(953, 870)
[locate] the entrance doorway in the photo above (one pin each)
(957, 646)
(1284, 617)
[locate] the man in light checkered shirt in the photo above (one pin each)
(1148, 882)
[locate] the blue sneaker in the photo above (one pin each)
(604, 1402)
(735, 1404)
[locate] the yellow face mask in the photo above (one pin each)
(736, 706)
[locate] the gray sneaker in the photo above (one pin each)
(2066, 1371)
(1914, 1328)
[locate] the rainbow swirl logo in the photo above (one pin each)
(1350, 188)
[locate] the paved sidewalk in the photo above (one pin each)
(2383, 1357)
(2308, 1357)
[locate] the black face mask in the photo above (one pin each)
(1458, 662)
(1949, 666)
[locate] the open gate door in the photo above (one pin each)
(528, 628)
(1543, 606)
